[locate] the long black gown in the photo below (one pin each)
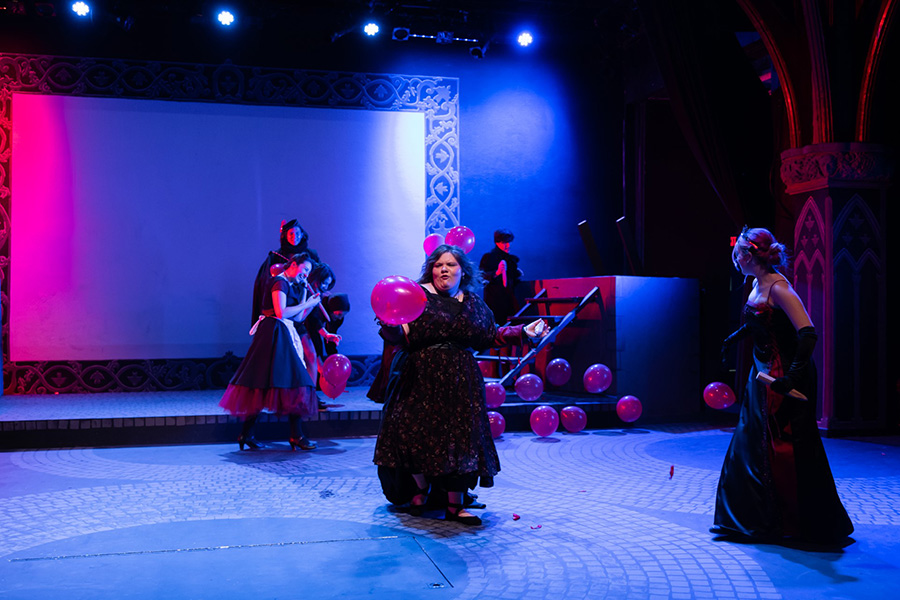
(776, 481)
(435, 419)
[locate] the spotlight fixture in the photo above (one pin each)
(478, 52)
(401, 34)
(525, 38)
(225, 18)
(81, 9)
(371, 29)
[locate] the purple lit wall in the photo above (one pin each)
(140, 225)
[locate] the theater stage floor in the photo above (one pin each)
(600, 518)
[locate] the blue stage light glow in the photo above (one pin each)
(226, 18)
(525, 38)
(82, 9)
(371, 28)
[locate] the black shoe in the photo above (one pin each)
(455, 516)
(471, 501)
(416, 510)
(302, 443)
(248, 441)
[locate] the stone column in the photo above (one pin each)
(839, 194)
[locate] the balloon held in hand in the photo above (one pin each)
(397, 300)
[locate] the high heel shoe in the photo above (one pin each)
(302, 443)
(455, 516)
(248, 441)
(416, 510)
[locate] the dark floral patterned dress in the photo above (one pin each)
(435, 419)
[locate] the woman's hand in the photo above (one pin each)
(333, 338)
(537, 329)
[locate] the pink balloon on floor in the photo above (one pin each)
(486, 367)
(494, 394)
(529, 387)
(498, 423)
(629, 409)
(573, 419)
(559, 371)
(397, 300)
(544, 420)
(337, 369)
(431, 242)
(718, 395)
(597, 378)
(462, 237)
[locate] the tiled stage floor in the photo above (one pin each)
(600, 518)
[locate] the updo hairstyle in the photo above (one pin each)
(762, 245)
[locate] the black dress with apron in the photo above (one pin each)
(776, 481)
(272, 377)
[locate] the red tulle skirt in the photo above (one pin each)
(243, 401)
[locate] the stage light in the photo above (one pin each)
(401, 34)
(225, 17)
(81, 9)
(525, 38)
(371, 28)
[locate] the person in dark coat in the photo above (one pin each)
(501, 270)
(294, 240)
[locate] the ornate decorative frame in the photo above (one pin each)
(437, 98)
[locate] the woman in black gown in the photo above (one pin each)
(273, 377)
(435, 425)
(776, 481)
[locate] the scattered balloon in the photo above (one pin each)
(336, 369)
(498, 423)
(597, 378)
(431, 242)
(495, 394)
(397, 300)
(486, 367)
(330, 390)
(718, 395)
(629, 409)
(544, 420)
(573, 419)
(529, 387)
(462, 237)
(559, 371)
(277, 269)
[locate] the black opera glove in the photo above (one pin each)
(742, 332)
(806, 343)
(392, 334)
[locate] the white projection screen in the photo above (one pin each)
(140, 225)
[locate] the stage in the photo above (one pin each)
(599, 517)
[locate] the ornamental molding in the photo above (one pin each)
(822, 165)
(436, 98)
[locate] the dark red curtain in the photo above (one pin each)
(722, 108)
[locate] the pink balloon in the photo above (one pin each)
(332, 391)
(529, 387)
(573, 419)
(494, 394)
(337, 369)
(498, 423)
(431, 242)
(559, 371)
(628, 408)
(486, 368)
(461, 236)
(277, 269)
(718, 395)
(597, 378)
(544, 420)
(397, 300)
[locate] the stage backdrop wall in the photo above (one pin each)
(140, 225)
